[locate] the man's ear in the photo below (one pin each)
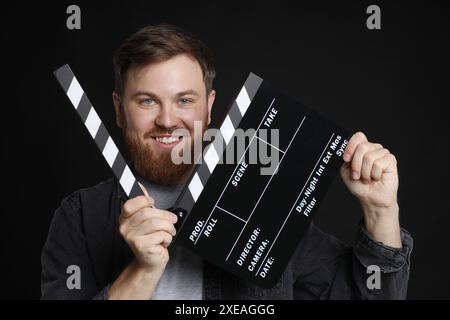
(211, 98)
(120, 116)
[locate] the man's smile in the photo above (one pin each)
(167, 141)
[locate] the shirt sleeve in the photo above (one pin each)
(67, 271)
(326, 268)
(103, 294)
(380, 271)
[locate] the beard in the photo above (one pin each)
(158, 166)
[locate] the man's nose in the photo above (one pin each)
(166, 117)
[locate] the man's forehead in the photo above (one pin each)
(172, 76)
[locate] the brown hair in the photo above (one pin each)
(160, 43)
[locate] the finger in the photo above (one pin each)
(353, 143)
(153, 225)
(346, 172)
(144, 190)
(358, 156)
(156, 242)
(368, 161)
(159, 238)
(386, 164)
(153, 243)
(133, 205)
(149, 213)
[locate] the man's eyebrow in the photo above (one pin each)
(144, 93)
(186, 92)
(153, 95)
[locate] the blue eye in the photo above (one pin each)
(148, 101)
(184, 101)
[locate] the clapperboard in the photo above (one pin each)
(232, 215)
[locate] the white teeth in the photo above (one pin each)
(167, 140)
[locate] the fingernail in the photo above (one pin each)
(355, 175)
(175, 217)
(346, 156)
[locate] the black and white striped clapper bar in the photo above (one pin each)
(116, 161)
(97, 129)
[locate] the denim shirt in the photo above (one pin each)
(85, 232)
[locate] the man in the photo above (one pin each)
(164, 82)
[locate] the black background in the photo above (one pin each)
(389, 83)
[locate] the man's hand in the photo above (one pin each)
(148, 232)
(370, 173)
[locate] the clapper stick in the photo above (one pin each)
(98, 131)
(215, 150)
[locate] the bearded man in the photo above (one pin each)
(163, 84)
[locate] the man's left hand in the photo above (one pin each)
(370, 173)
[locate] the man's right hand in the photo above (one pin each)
(148, 231)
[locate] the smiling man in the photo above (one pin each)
(154, 101)
(164, 82)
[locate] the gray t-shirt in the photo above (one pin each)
(183, 277)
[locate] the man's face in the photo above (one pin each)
(159, 98)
